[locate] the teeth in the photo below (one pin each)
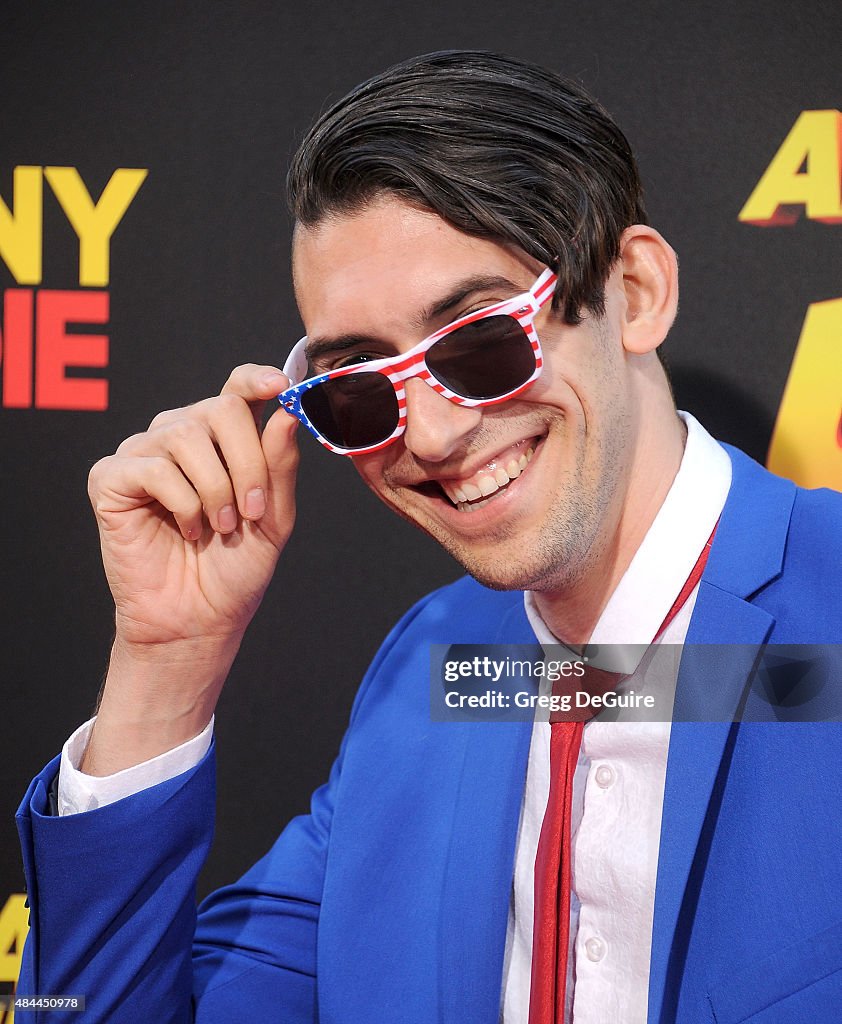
(474, 507)
(470, 496)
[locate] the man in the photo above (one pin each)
(471, 239)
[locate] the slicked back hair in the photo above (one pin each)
(497, 147)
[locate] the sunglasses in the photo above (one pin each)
(488, 356)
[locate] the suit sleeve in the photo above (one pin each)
(113, 913)
(113, 917)
(111, 894)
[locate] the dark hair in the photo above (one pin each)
(497, 147)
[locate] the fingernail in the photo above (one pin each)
(227, 518)
(255, 503)
(274, 380)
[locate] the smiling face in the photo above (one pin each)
(525, 494)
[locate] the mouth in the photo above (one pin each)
(473, 492)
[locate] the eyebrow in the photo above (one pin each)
(317, 347)
(463, 290)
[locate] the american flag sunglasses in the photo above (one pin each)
(488, 356)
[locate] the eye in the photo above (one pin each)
(338, 360)
(355, 357)
(478, 307)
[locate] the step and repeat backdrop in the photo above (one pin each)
(144, 253)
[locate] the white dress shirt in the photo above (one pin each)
(618, 785)
(79, 792)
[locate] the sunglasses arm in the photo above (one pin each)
(296, 367)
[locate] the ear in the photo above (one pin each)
(650, 283)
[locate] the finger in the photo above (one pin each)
(189, 445)
(235, 433)
(122, 484)
(188, 436)
(257, 384)
(252, 382)
(135, 444)
(164, 417)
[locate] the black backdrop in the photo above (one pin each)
(211, 99)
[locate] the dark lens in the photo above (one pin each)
(485, 359)
(355, 411)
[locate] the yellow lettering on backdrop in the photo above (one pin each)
(94, 223)
(807, 439)
(814, 142)
(14, 924)
(21, 227)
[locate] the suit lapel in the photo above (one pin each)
(746, 555)
(699, 757)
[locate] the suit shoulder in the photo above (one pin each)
(814, 547)
(463, 612)
(805, 597)
(460, 613)
(463, 604)
(817, 514)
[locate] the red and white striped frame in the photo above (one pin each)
(400, 368)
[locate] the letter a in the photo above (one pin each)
(814, 143)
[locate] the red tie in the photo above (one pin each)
(551, 930)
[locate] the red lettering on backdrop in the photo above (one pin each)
(34, 329)
(58, 350)
(16, 348)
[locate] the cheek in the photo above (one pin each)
(372, 469)
(554, 391)
(568, 369)
(582, 377)
(366, 466)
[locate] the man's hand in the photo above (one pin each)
(192, 516)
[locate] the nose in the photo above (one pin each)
(435, 427)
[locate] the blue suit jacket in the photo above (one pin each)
(389, 902)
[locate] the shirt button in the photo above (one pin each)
(594, 949)
(604, 776)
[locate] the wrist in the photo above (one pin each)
(155, 698)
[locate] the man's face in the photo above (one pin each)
(381, 276)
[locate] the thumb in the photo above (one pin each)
(280, 450)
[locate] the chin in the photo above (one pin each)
(548, 567)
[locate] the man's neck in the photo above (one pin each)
(572, 612)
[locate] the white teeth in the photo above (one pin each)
(470, 496)
(474, 507)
